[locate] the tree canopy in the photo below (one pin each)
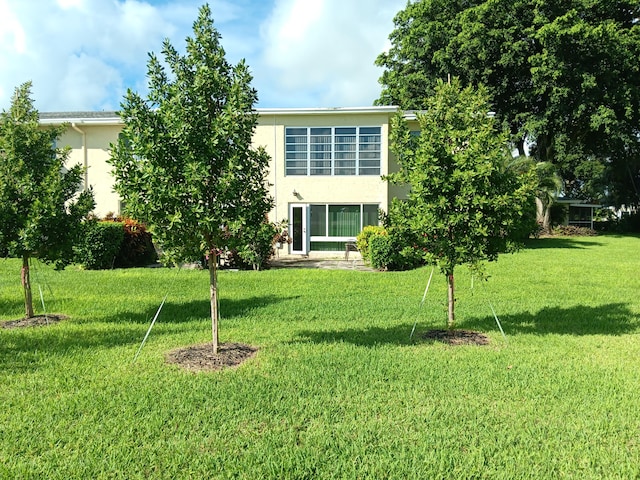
(563, 76)
(465, 204)
(184, 163)
(40, 205)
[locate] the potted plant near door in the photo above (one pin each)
(282, 236)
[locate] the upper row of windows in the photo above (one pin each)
(332, 150)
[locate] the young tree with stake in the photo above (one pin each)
(184, 162)
(464, 204)
(40, 208)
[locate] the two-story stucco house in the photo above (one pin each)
(325, 171)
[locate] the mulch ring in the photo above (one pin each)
(200, 358)
(35, 321)
(457, 337)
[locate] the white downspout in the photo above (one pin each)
(275, 170)
(85, 156)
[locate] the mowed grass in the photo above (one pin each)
(337, 389)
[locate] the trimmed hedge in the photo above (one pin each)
(381, 251)
(363, 238)
(100, 245)
(388, 251)
(115, 243)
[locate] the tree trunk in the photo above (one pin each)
(543, 215)
(213, 297)
(451, 291)
(546, 220)
(26, 285)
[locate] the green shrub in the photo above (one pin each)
(381, 252)
(410, 257)
(255, 245)
(362, 240)
(527, 226)
(137, 248)
(391, 251)
(100, 245)
(558, 212)
(607, 221)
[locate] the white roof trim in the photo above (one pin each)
(326, 110)
(573, 202)
(80, 119)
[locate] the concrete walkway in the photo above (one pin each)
(325, 264)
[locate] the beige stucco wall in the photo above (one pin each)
(92, 150)
(400, 191)
(97, 138)
(270, 134)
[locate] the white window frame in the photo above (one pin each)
(332, 151)
(326, 237)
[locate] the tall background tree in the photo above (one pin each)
(40, 207)
(184, 162)
(465, 205)
(564, 76)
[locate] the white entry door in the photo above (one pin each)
(298, 228)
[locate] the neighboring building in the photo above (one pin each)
(578, 212)
(325, 170)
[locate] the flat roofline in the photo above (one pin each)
(90, 118)
(112, 118)
(326, 110)
(576, 202)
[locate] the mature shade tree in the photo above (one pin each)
(184, 162)
(418, 56)
(464, 205)
(40, 208)
(563, 75)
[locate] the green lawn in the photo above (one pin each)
(337, 390)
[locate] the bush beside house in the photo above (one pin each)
(115, 243)
(364, 237)
(100, 244)
(252, 248)
(386, 250)
(137, 248)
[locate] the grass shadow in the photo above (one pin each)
(560, 242)
(25, 349)
(11, 305)
(177, 312)
(610, 319)
(365, 337)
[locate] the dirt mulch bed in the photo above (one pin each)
(457, 337)
(36, 321)
(200, 358)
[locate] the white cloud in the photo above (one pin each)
(329, 46)
(84, 54)
(67, 4)
(81, 54)
(294, 20)
(11, 31)
(87, 78)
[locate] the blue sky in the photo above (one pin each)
(84, 54)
